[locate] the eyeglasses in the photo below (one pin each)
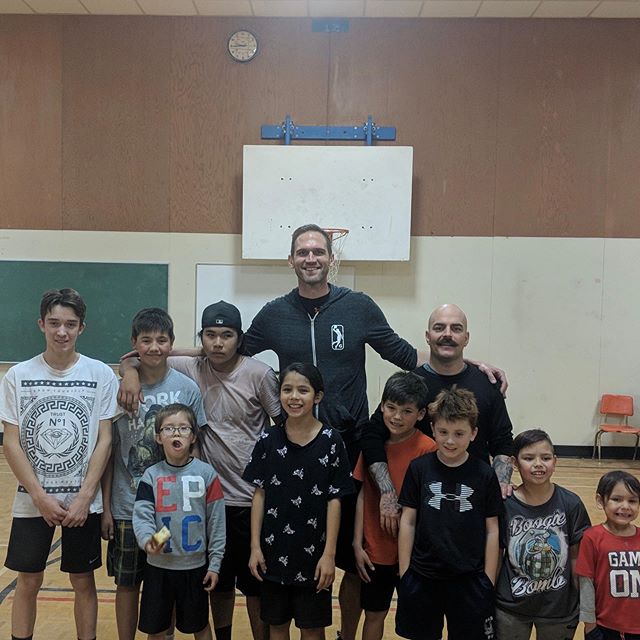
(171, 431)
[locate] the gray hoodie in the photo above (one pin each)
(334, 340)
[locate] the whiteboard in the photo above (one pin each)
(249, 288)
(365, 189)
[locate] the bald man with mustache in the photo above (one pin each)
(447, 336)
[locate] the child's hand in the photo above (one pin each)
(153, 547)
(106, 525)
(325, 572)
(257, 565)
(363, 563)
(210, 581)
(77, 512)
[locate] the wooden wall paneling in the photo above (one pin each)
(436, 81)
(30, 122)
(623, 186)
(552, 139)
(116, 123)
(218, 105)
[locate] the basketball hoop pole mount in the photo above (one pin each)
(288, 131)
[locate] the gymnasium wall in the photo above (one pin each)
(553, 312)
(122, 138)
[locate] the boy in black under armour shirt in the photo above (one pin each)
(448, 542)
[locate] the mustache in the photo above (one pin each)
(447, 342)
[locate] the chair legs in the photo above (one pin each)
(596, 443)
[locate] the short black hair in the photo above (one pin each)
(150, 320)
(306, 228)
(455, 404)
(406, 387)
(529, 437)
(609, 480)
(65, 298)
(309, 371)
(172, 410)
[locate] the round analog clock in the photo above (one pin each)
(243, 46)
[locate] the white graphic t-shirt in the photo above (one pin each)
(58, 415)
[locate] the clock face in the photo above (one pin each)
(243, 46)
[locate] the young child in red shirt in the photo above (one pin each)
(609, 563)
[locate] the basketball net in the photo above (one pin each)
(338, 237)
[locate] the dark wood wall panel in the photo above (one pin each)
(623, 127)
(116, 123)
(30, 114)
(218, 105)
(552, 136)
(436, 81)
(519, 127)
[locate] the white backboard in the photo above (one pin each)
(364, 189)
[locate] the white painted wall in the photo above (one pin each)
(559, 315)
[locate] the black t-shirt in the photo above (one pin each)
(312, 305)
(298, 482)
(494, 435)
(452, 506)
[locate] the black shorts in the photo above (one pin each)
(377, 594)
(30, 544)
(234, 571)
(603, 633)
(165, 588)
(281, 603)
(468, 602)
(126, 561)
(345, 559)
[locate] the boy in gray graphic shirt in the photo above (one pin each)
(134, 450)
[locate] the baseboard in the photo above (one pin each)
(585, 451)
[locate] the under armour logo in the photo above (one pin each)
(462, 498)
(337, 337)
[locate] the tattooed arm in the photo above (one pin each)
(389, 507)
(502, 467)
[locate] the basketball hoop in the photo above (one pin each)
(337, 236)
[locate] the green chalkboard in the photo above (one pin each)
(113, 293)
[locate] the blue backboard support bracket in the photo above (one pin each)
(288, 131)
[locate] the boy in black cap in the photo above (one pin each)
(240, 394)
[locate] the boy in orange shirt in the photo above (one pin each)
(404, 402)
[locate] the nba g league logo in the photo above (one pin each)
(337, 337)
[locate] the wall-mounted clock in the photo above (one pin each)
(242, 46)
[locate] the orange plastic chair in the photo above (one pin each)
(621, 407)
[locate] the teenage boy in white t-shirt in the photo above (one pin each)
(57, 410)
